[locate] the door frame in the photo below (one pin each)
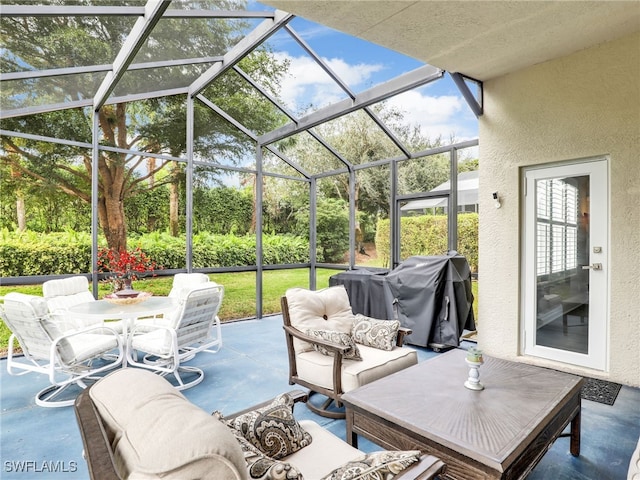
(599, 298)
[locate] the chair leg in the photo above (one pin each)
(324, 410)
(189, 371)
(50, 396)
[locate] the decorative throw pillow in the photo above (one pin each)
(336, 337)
(260, 466)
(375, 333)
(272, 429)
(375, 466)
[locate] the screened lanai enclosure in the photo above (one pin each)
(188, 130)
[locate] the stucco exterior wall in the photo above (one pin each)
(580, 106)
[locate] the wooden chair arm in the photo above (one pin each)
(426, 469)
(402, 332)
(294, 332)
(297, 395)
(97, 449)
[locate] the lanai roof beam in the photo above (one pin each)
(408, 81)
(139, 33)
(240, 50)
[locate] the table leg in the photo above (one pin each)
(352, 438)
(574, 447)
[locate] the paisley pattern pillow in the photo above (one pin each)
(272, 429)
(261, 467)
(375, 333)
(375, 466)
(336, 337)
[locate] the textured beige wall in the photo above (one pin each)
(580, 106)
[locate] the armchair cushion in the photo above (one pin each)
(375, 466)
(155, 432)
(272, 429)
(326, 309)
(318, 369)
(375, 333)
(335, 337)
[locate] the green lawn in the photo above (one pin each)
(239, 292)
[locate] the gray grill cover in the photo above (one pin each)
(430, 295)
(434, 298)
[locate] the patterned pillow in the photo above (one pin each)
(336, 337)
(375, 466)
(261, 467)
(374, 333)
(272, 429)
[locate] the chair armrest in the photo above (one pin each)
(294, 332)
(297, 395)
(97, 449)
(402, 332)
(426, 469)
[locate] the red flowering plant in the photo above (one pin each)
(124, 266)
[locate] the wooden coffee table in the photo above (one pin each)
(500, 432)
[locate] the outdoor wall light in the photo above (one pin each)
(497, 200)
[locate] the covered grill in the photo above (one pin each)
(431, 295)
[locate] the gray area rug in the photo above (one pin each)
(600, 391)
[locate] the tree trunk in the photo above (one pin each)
(21, 212)
(112, 221)
(174, 202)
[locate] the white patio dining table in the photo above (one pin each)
(128, 313)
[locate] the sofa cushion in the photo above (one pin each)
(318, 369)
(326, 309)
(262, 467)
(634, 464)
(375, 333)
(155, 432)
(382, 465)
(272, 429)
(325, 453)
(339, 338)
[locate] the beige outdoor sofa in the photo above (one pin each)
(135, 425)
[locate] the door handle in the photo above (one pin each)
(595, 266)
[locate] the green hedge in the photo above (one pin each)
(427, 235)
(24, 254)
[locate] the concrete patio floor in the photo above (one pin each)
(41, 443)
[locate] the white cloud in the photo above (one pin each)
(436, 115)
(308, 85)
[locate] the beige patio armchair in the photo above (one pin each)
(332, 351)
(164, 347)
(68, 356)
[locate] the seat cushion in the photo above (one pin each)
(326, 309)
(317, 368)
(634, 464)
(156, 432)
(325, 453)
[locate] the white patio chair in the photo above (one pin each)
(183, 280)
(165, 347)
(68, 357)
(64, 293)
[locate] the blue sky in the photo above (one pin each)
(438, 108)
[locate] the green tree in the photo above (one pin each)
(152, 126)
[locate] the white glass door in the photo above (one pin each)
(565, 282)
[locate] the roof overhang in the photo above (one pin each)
(481, 40)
